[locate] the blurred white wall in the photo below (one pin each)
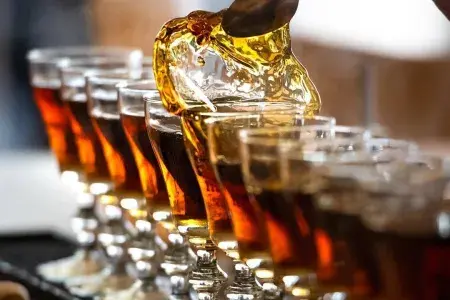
(185, 7)
(412, 29)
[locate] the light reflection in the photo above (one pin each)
(98, 188)
(300, 292)
(129, 203)
(253, 263)
(69, 178)
(443, 224)
(264, 274)
(161, 215)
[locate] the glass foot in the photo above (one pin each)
(101, 284)
(81, 263)
(138, 291)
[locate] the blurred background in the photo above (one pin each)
(374, 62)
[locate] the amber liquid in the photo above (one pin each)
(188, 209)
(291, 236)
(89, 146)
(248, 227)
(56, 120)
(349, 257)
(219, 222)
(133, 120)
(265, 62)
(119, 157)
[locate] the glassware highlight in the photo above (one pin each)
(44, 78)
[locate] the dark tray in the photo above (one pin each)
(19, 256)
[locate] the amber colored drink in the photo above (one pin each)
(248, 228)
(188, 209)
(133, 120)
(119, 156)
(350, 257)
(290, 230)
(219, 222)
(89, 146)
(56, 120)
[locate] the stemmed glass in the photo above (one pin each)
(56, 114)
(96, 80)
(188, 209)
(248, 227)
(156, 206)
(407, 223)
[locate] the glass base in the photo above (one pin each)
(138, 291)
(81, 263)
(101, 285)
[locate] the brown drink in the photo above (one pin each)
(133, 120)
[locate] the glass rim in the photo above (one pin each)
(250, 102)
(80, 66)
(250, 135)
(54, 54)
(219, 119)
(153, 97)
(127, 86)
(112, 77)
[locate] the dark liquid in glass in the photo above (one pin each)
(56, 120)
(119, 156)
(133, 120)
(188, 209)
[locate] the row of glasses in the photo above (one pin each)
(100, 176)
(130, 229)
(365, 212)
(81, 170)
(112, 234)
(219, 210)
(199, 209)
(296, 198)
(139, 197)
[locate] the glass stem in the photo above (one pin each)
(206, 278)
(85, 223)
(177, 262)
(114, 239)
(244, 285)
(144, 251)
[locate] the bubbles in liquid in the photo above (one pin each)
(193, 56)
